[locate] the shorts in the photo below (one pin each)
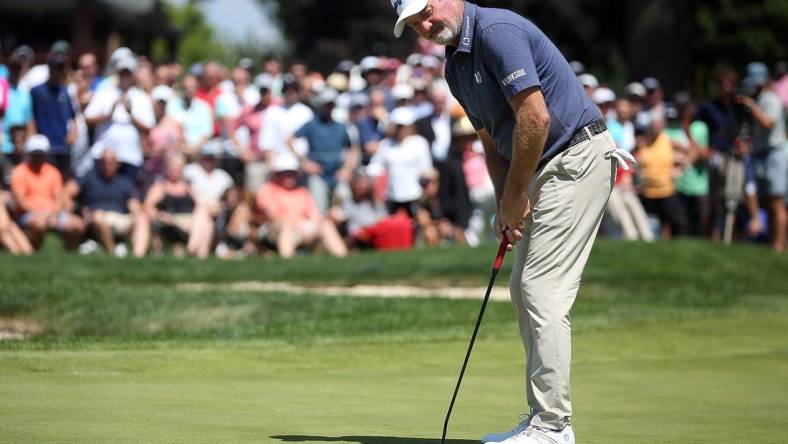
(771, 173)
(62, 217)
(119, 223)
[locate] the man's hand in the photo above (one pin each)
(312, 168)
(513, 211)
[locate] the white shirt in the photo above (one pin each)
(441, 126)
(404, 163)
(118, 132)
(279, 124)
(208, 187)
(34, 76)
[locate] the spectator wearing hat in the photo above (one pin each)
(589, 82)
(635, 92)
(208, 182)
(19, 110)
(656, 158)
(39, 74)
(768, 146)
(404, 156)
(194, 115)
(480, 186)
(89, 66)
(692, 184)
(655, 97)
(40, 199)
(331, 157)
(360, 211)
(122, 116)
(605, 100)
(174, 210)
(54, 114)
(293, 216)
(453, 195)
(111, 207)
(364, 131)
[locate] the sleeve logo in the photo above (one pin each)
(513, 76)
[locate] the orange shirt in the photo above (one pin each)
(656, 168)
(281, 204)
(39, 190)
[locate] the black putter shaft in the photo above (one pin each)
(496, 268)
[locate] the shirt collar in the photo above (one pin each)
(466, 35)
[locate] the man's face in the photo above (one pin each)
(125, 79)
(88, 65)
(190, 86)
(109, 165)
(440, 22)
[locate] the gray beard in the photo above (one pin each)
(447, 35)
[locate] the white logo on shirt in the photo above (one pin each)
(478, 76)
(513, 76)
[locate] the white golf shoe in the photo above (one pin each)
(525, 420)
(538, 435)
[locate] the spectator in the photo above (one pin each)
(480, 186)
(81, 158)
(453, 196)
(25, 56)
(112, 209)
(89, 66)
(208, 183)
(39, 74)
(404, 156)
(693, 183)
(293, 216)
(234, 226)
(122, 116)
(655, 155)
(12, 238)
(209, 91)
(247, 133)
(172, 207)
(16, 156)
(364, 129)
(605, 100)
(330, 158)
(624, 119)
(436, 127)
(194, 115)
(54, 114)
(40, 199)
(655, 97)
(360, 211)
(769, 147)
(281, 122)
(163, 140)
(589, 82)
(19, 111)
(636, 93)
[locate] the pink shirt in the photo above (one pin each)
(475, 169)
(280, 204)
(781, 88)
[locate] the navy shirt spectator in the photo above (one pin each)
(485, 73)
(106, 192)
(54, 114)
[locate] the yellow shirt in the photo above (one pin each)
(656, 168)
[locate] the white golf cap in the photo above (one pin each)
(162, 93)
(402, 91)
(588, 80)
(635, 89)
(604, 95)
(284, 162)
(406, 9)
(37, 143)
(402, 116)
(369, 63)
(324, 97)
(264, 80)
(126, 63)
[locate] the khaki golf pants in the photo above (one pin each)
(568, 198)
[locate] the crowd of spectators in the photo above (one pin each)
(235, 161)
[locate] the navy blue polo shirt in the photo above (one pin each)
(501, 54)
(100, 193)
(328, 143)
(52, 112)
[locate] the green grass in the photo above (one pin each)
(674, 343)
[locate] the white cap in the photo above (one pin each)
(284, 162)
(403, 115)
(588, 80)
(406, 9)
(604, 95)
(635, 89)
(264, 80)
(430, 61)
(369, 63)
(37, 143)
(120, 53)
(126, 63)
(162, 93)
(402, 91)
(324, 97)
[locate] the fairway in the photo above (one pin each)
(674, 343)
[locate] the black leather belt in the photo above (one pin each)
(596, 127)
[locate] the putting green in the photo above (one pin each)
(712, 380)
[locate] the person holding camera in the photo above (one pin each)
(768, 146)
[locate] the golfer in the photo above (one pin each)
(553, 164)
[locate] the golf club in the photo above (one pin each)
(496, 267)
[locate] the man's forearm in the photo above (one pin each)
(528, 139)
(498, 168)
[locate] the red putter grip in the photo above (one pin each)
(501, 253)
